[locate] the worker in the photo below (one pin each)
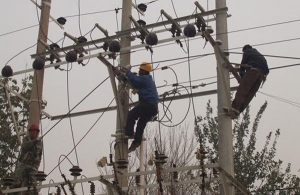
(29, 159)
(147, 106)
(253, 70)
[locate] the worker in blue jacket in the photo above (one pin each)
(147, 106)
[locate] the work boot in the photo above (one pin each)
(233, 113)
(134, 145)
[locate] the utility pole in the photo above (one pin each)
(121, 147)
(38, 77)
(225, 123)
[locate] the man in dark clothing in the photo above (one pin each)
(253, 71)
(30, 158)
(147, 106)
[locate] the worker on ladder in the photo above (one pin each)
(147, 106)
(29, 159)
(253, 70)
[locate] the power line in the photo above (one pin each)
(296, 104)
(76, 105)
(258, 27)
(274, 56)
(83, 136)
(69, 111)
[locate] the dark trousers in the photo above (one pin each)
(143, 112)
(248, 87)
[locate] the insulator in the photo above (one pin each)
(122, 164)
(75, 171)
(7, 71)
(105, 45)
(8, 181)
(54, 46)
(189, 30)
(151, 39)
(175, 173)
(114, 46)
(40, 176)
(58, 190)
(137, 178)
(71, 56)
(142, 7)
(61, 20)
(38, 63)
(219, 42)
(82, 39)
(141, 22)
(92, 187)
(35, 191)
(209, 29)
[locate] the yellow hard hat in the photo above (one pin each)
(146, 66)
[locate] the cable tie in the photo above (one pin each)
(164, 68)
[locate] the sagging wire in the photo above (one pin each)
(159, 127)
(174, 91)
(70, 120)
(180, 86)
(93, 40)
(20, 53)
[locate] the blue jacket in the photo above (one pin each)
(254, 59)
(146, 87)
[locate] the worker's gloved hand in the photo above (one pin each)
(124, 69)
(265, 78)
(128, 67)
(39, 139)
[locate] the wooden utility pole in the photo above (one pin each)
(225, 123)
(38, 77)
(121, 147)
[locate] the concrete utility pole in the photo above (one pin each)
(122, 145)
(225, 124)
(38, 77)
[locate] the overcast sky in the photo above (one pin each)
(283, 83)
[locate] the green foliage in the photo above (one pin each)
(8, 139)
(257, 170)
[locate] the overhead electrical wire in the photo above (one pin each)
(296, 104)
(83, 135)
(69, 111)
(79, 17)
(19, 53)
(111, 10)
(267, 55)
(66, 115)
(76, 105)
